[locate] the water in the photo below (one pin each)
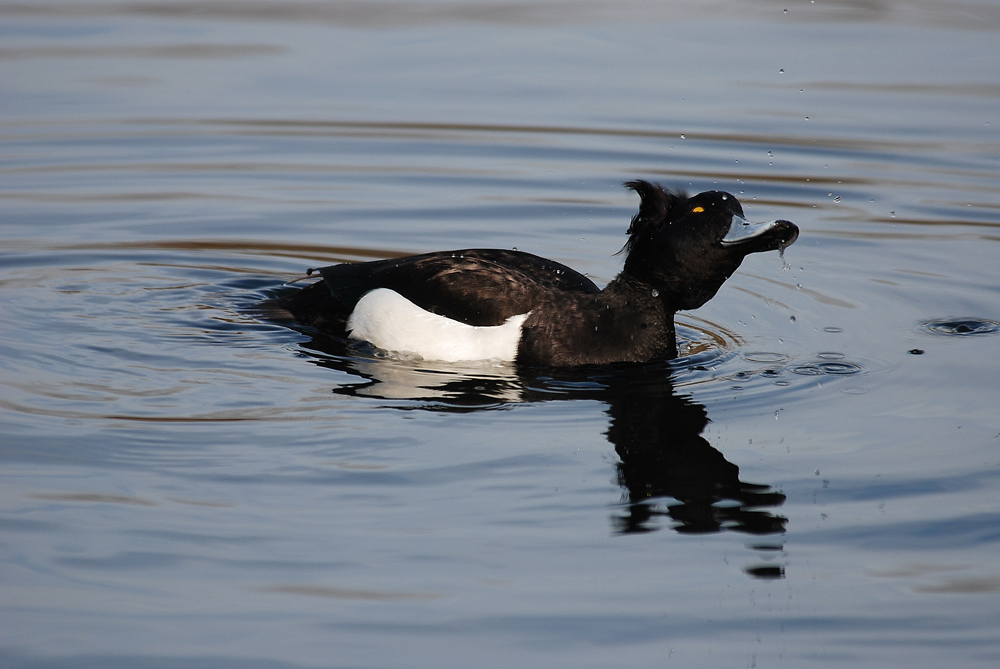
(813, 484)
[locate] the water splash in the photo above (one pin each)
(961, 326)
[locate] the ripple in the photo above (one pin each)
(961, 326)
(822, 368)
(765, 357)
(702, 345)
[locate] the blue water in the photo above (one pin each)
(814, 483)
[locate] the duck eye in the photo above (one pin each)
(697, 210)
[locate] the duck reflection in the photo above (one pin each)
(656, 432)
(658, 437)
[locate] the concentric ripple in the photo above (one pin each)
(961, 326)
(702, 344)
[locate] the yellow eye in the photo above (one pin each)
(697, 210)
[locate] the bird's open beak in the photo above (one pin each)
(766, 236)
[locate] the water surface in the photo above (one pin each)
(814, 483)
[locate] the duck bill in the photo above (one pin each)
(757, 237)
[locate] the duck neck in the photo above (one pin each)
(648, 300)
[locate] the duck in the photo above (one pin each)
(517, 307)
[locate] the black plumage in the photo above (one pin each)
(679, 252)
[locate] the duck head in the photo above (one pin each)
(686, 248)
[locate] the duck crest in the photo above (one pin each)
(656, 205)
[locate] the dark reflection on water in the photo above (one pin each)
(658, 436)
(656, 432)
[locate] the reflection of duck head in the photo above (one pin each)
(658, 436)
(656, 433)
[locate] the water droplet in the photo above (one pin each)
(683, 137)
(656, 293)
(781, 71)
(836, 199)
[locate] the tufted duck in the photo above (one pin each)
(482, 304)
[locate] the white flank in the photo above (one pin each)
(393, 323)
